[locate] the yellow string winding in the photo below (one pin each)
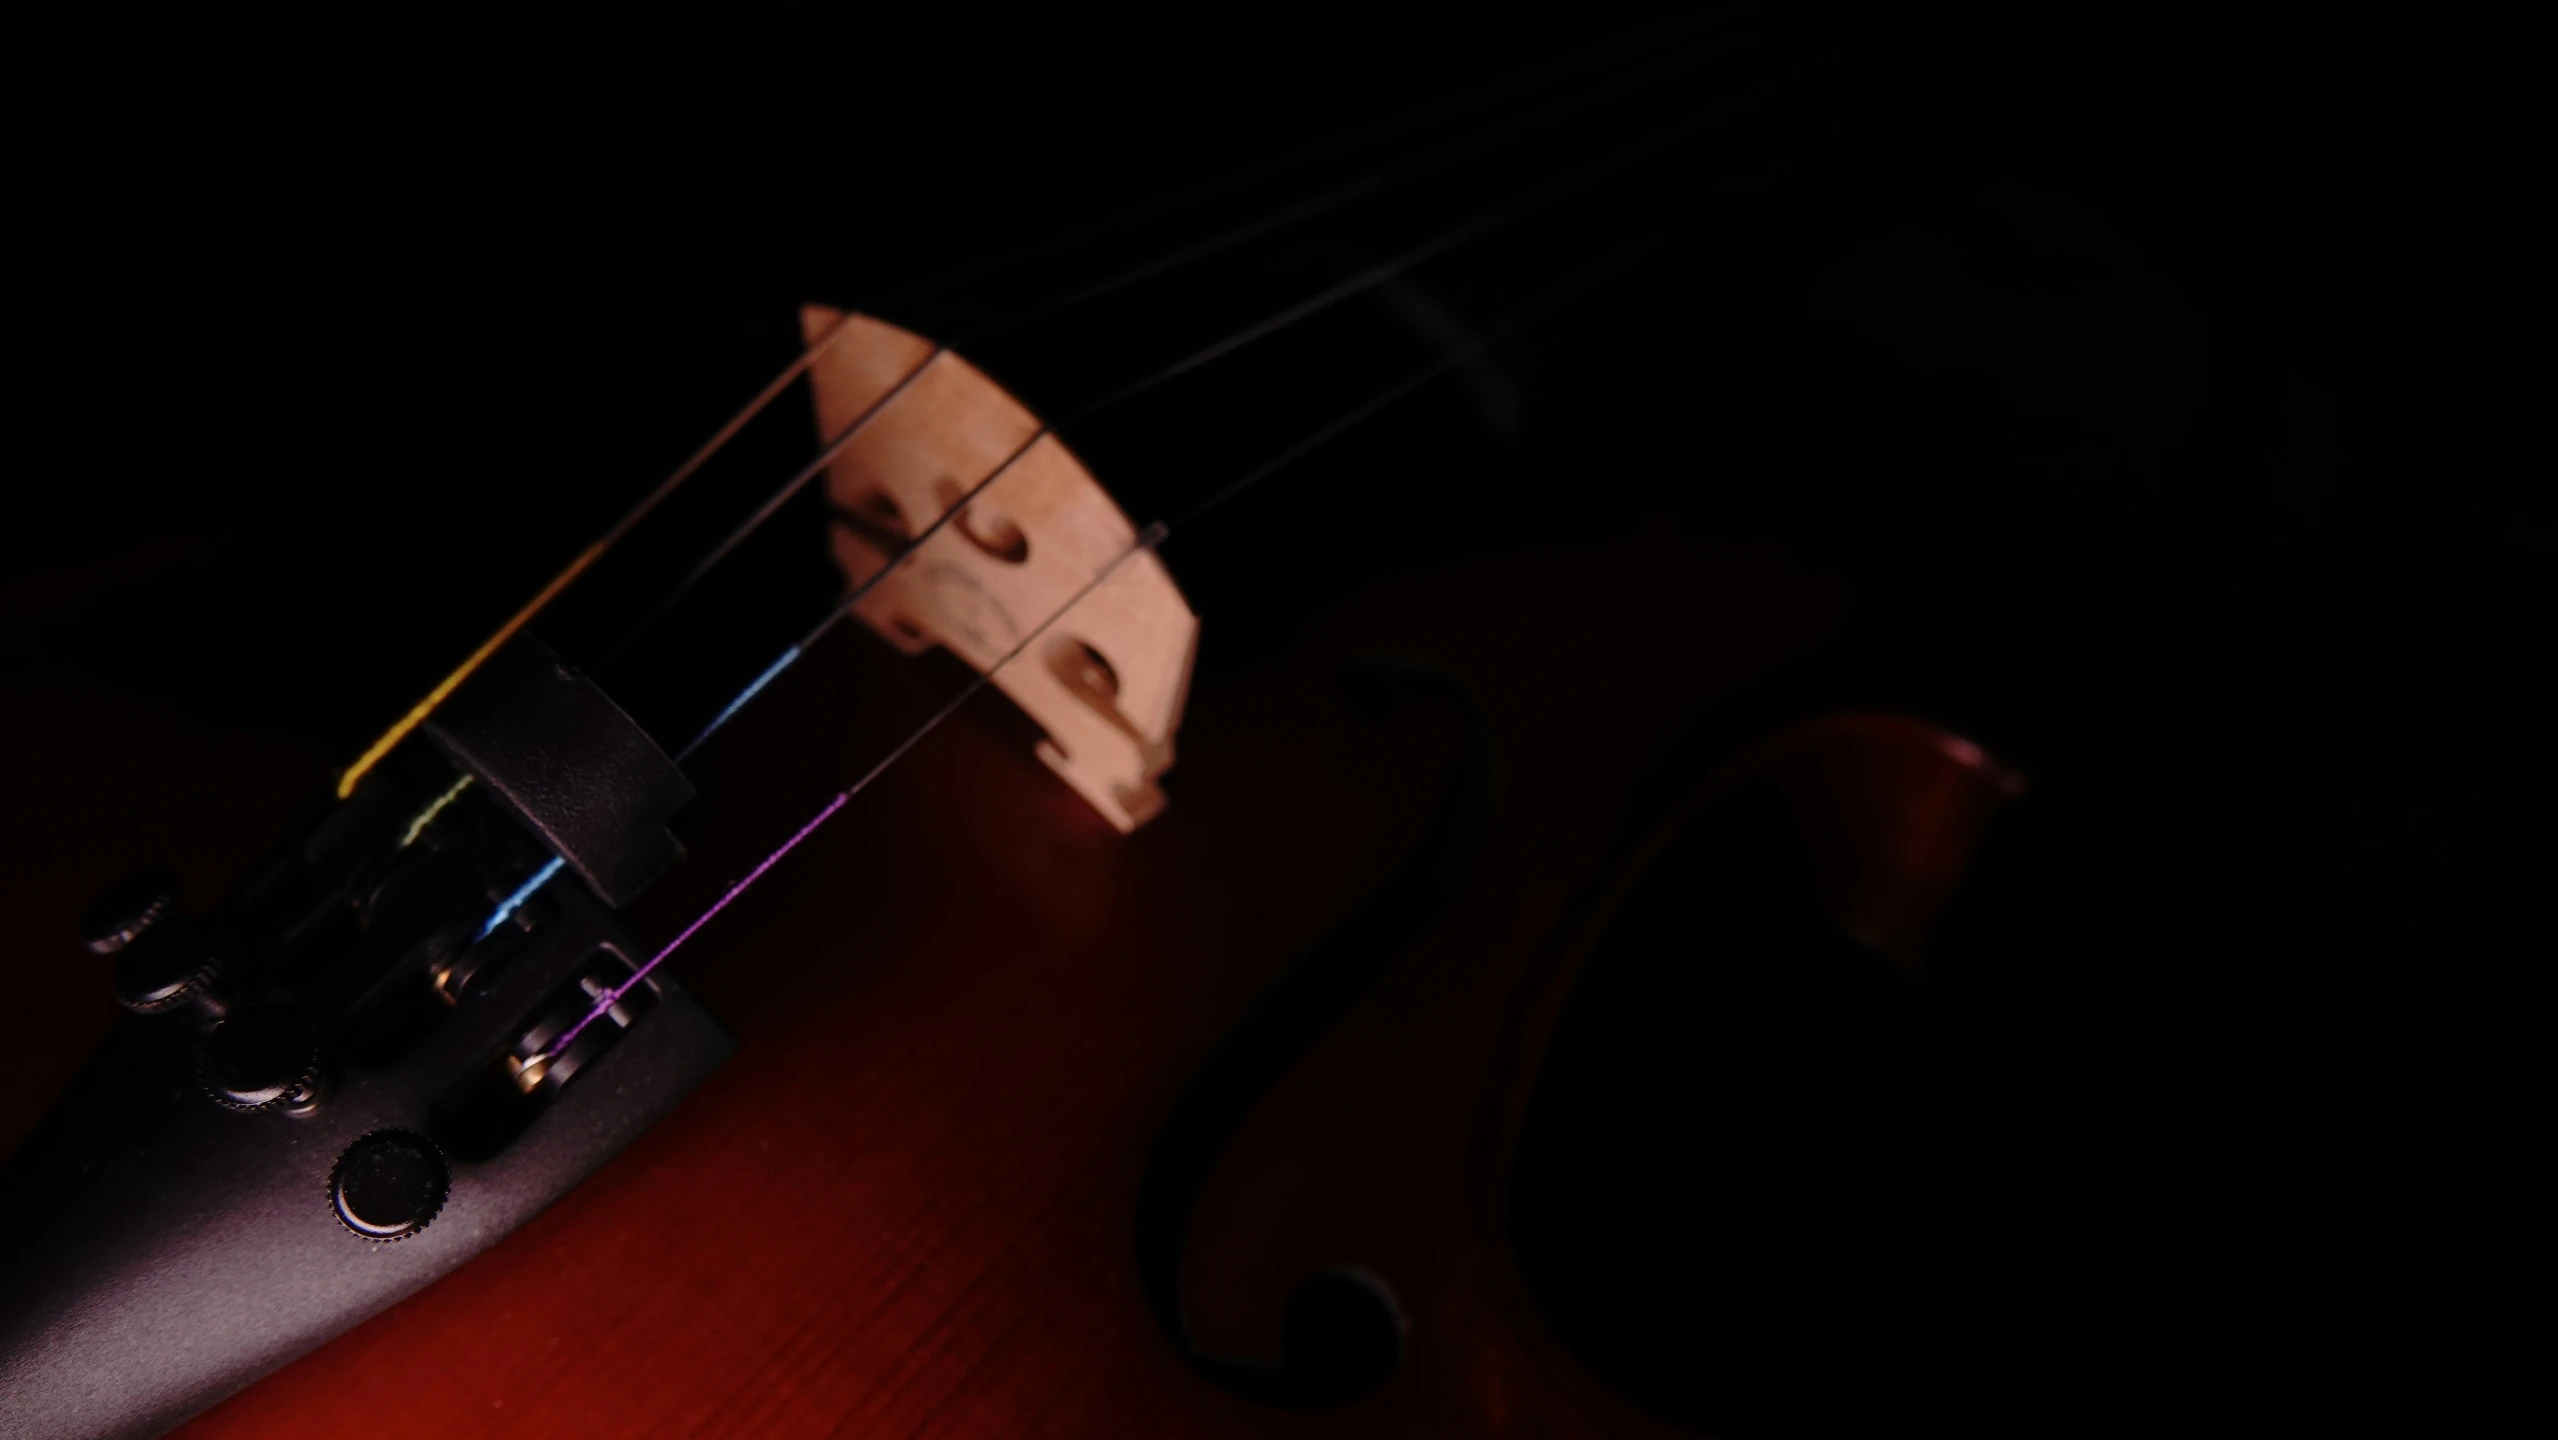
(418, 712)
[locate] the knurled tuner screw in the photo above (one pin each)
(176, 965)
(128, 909)
(389, 1184)
(265, 1057)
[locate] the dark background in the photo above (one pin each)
(2170, 387)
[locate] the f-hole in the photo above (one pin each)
(993, 533)
(1343, 1332)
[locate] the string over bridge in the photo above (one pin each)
(1033, 527)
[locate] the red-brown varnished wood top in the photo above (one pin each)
(906, 1207)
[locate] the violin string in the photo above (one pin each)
(808, 356)
(1383, 273)
(1306, 210)
(584, 559)
(1368, 279)
(1361, 282)
(587, 558)
(1592, 93)
(772, 504)
(1151, 539)
(1585, 67)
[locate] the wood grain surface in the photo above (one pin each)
(906, 1207)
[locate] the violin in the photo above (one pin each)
(1430, 794)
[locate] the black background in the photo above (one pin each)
(2172, 386)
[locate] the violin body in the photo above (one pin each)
(913, 1200)
(1690, 899)
(906, 1205)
